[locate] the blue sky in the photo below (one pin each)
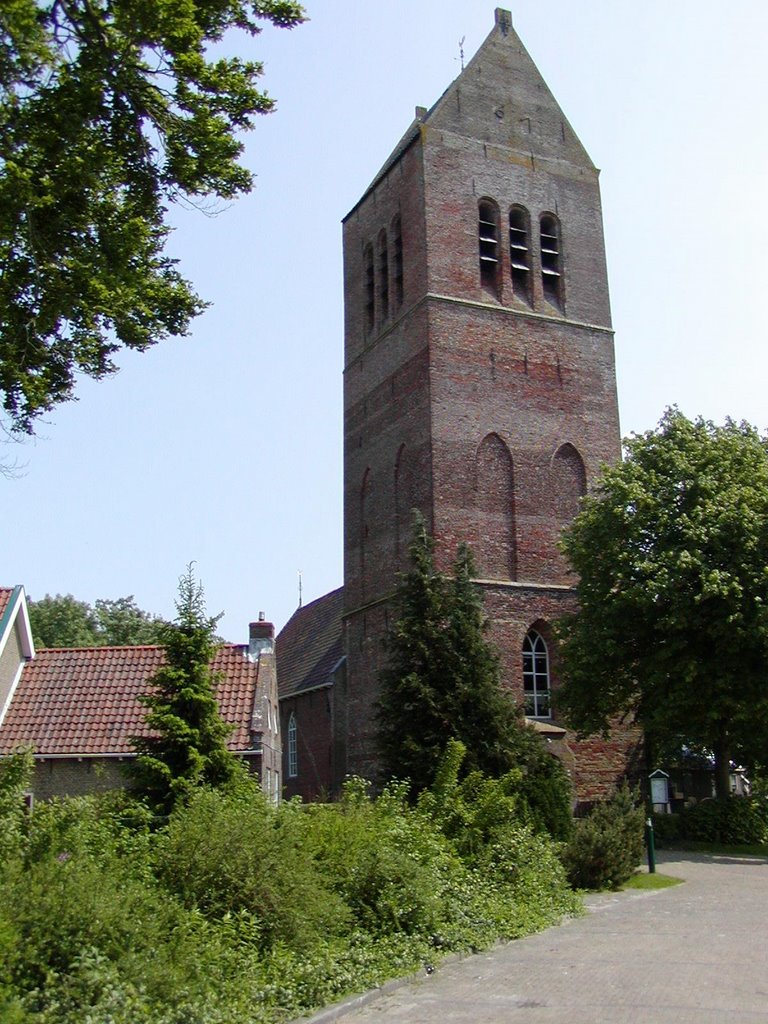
(225, 447)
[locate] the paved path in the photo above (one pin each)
(693, 954)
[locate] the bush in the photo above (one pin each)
(735, 820)
(667, 828)
(233, 853)
(606, 846)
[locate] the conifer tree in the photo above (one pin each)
(442, 682)
(187, 748)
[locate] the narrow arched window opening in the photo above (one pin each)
(397, 262)
(293, 758)
(536, 685)
(551, 262)
(383, 275)
(369, 288)
(520, 253)
(488, 238)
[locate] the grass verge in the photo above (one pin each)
(654, 881)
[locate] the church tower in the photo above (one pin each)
(479, 382)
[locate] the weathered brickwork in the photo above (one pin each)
(479, 377)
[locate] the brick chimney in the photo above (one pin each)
(261, 636)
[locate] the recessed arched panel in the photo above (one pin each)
(569, 482)
(397, 263)
(365, 508)
(495, 510)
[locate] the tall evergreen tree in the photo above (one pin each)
(188, 746)
(442, 682)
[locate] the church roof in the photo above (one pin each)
(310, 645)
(82, 701)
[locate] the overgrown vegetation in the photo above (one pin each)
(239, 912)
(442, 682)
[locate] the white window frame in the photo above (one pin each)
(536, 678)
(293, 759)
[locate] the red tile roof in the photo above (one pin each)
(310, 645)
(82, 700)
(6, 593)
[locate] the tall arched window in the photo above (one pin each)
(536, 676)
(520, 253)
(551, 261)
(293, 757)
(488, 240)
(495, 510)
(383, 275)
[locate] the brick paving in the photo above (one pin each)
(697, 952)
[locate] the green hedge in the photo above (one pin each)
(735, 820)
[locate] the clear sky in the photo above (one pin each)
(225, 447)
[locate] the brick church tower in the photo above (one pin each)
(479, 380)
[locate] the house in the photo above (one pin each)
(479, 388)
(77, 708)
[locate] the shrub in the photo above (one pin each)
(667, 828)
(606, 846)
(233, 853)
(737, 819)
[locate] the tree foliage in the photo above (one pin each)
(110, 110)
(442, 682)
(672, 557)
(187, 748)
(63, 621)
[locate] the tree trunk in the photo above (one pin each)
(722, 752)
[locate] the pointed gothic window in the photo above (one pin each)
(488, 239)
(520, 253)
(369, 288)
(536, 676)
(551, 263)
(293, 759)
(382, 270)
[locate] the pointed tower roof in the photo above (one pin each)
(501, 99)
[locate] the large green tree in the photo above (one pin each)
(442, 682)
(187, 748)
(63, 621)
(671, 553)
(110, 111)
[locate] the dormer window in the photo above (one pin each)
(551, 267)
(520, 253)
(488, 237)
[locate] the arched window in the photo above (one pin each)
(495, 509)
(520, 253)
(369, 288)
(383, 274)
(536, 676)
(293, 757)
(551, 263)
(488, 239)
(397, 262)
